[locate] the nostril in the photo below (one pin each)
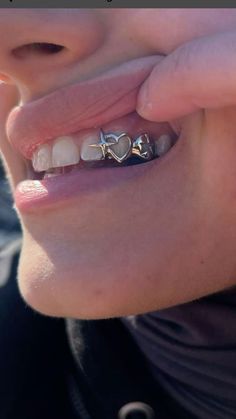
(37, 48)
(47, 47)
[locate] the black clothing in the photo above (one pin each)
(91, 374)
(113, 371)
(33, 354)
(84, 369)
(191, 351)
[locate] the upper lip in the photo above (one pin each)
(83, 105)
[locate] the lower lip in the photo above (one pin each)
(35, 195)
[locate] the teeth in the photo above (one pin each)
(162, 145)
(90, 153)
(64, 152)
(120, 146)
(42, 159)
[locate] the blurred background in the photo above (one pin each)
(8, 216)
(10, 232)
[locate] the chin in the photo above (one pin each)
(103, 275)
(73, 282)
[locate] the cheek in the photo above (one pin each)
(99, 259)
(217, 153)
(166, 240)
(96, 259)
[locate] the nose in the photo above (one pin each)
(39, 47)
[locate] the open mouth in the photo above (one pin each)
(96, 148)
(112, 150)
(72, 139)
(83, 163)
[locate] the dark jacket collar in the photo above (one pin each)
(110, 371)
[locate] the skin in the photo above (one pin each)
(156, 241)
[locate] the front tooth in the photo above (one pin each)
(64, 152)
(89, 153)
(42, 158)
(121, 146)
(162, 145)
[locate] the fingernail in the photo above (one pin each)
(145, 108)
(144, 104)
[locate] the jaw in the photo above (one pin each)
(163, 240)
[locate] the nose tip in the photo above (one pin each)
(41, 43)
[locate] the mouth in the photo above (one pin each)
(76, 166)
(101, 148)
(89, 104)
(74, 140)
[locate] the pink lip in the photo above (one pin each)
(83, 105)
(33, 196)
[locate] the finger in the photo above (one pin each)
(198, 74)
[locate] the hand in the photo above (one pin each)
(200, 74)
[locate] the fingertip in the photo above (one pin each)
(148, 103)
(150, 110)
(144, 104)
(145, 110)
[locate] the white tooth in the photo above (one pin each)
(88, 153)
(42, 158)
(64, 152)
(48, 175)
(162, 145)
